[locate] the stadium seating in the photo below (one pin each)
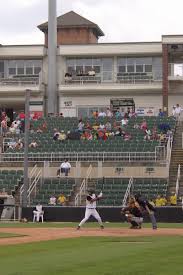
(9, 179)
(113, 144)
(54, 186)
(114, 189)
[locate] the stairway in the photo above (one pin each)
(176, 159)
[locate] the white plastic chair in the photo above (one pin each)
(40, 216)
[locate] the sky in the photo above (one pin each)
(120, 20)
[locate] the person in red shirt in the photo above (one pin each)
(22, 116)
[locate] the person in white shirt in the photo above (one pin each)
(52, 200)
(91, 204)
(102, 114)
(178, 110)
(108, 113)
(124, 121)
(65, 168)
(38, 211)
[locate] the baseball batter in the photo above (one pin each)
(91, 203)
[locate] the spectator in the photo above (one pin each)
(39, 131)
(52, 200)
(56, 134)
(147, 135)
(136, 126)
(108, 126)
(101, 126)
(19, 144)
(62, 136)
(178, 110)
(102, 114)
(62, 200)
(117, 113)
(173, 199)
(108, 113)
(33, 144)
(95, 114)
(160, 201)
(91, 72)
(124, 121)
(61, 115)
(80, 125)
(173, 111)
(143, 125)
(161, 113)
(64, 168)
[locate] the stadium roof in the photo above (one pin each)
(72, 19)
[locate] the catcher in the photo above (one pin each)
(133, 214)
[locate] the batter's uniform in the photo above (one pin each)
(91, 209)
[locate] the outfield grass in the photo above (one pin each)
(95, 256)
(90, 224)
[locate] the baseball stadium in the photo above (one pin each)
(91, 153)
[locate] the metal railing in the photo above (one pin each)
(159, 155)
(34, 178)
(21, 81)
(126, 78)
(83, 187)
(178, 180)
(169, 151)
(127, 193)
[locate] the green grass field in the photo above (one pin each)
(95, 255)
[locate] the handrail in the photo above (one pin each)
(83, 186)
(177, 181)
(33, 185)
(127, 193)
(169, 150)
(157, 155)
(34, 178)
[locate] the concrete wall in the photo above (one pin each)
(112, 171)
(141, 101)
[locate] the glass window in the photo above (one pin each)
(148, 68)
(20, 71)
(130, 68)
(107, 64)
(139, 68)
(71, 70)
(131, 61)
(88, 68)
(29, 70)
(37, 63)
(87, 62)
(71, 62)
(79, 69)
(107, 76)
(80, 62)
(1, 66)
(96, 61)
(122, 61)
(82, 112)
(37, 70)
(12, 71)
(97, 69)
(122, 69)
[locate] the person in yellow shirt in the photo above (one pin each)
(62, 199)
(173, 199)
(160, 201)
